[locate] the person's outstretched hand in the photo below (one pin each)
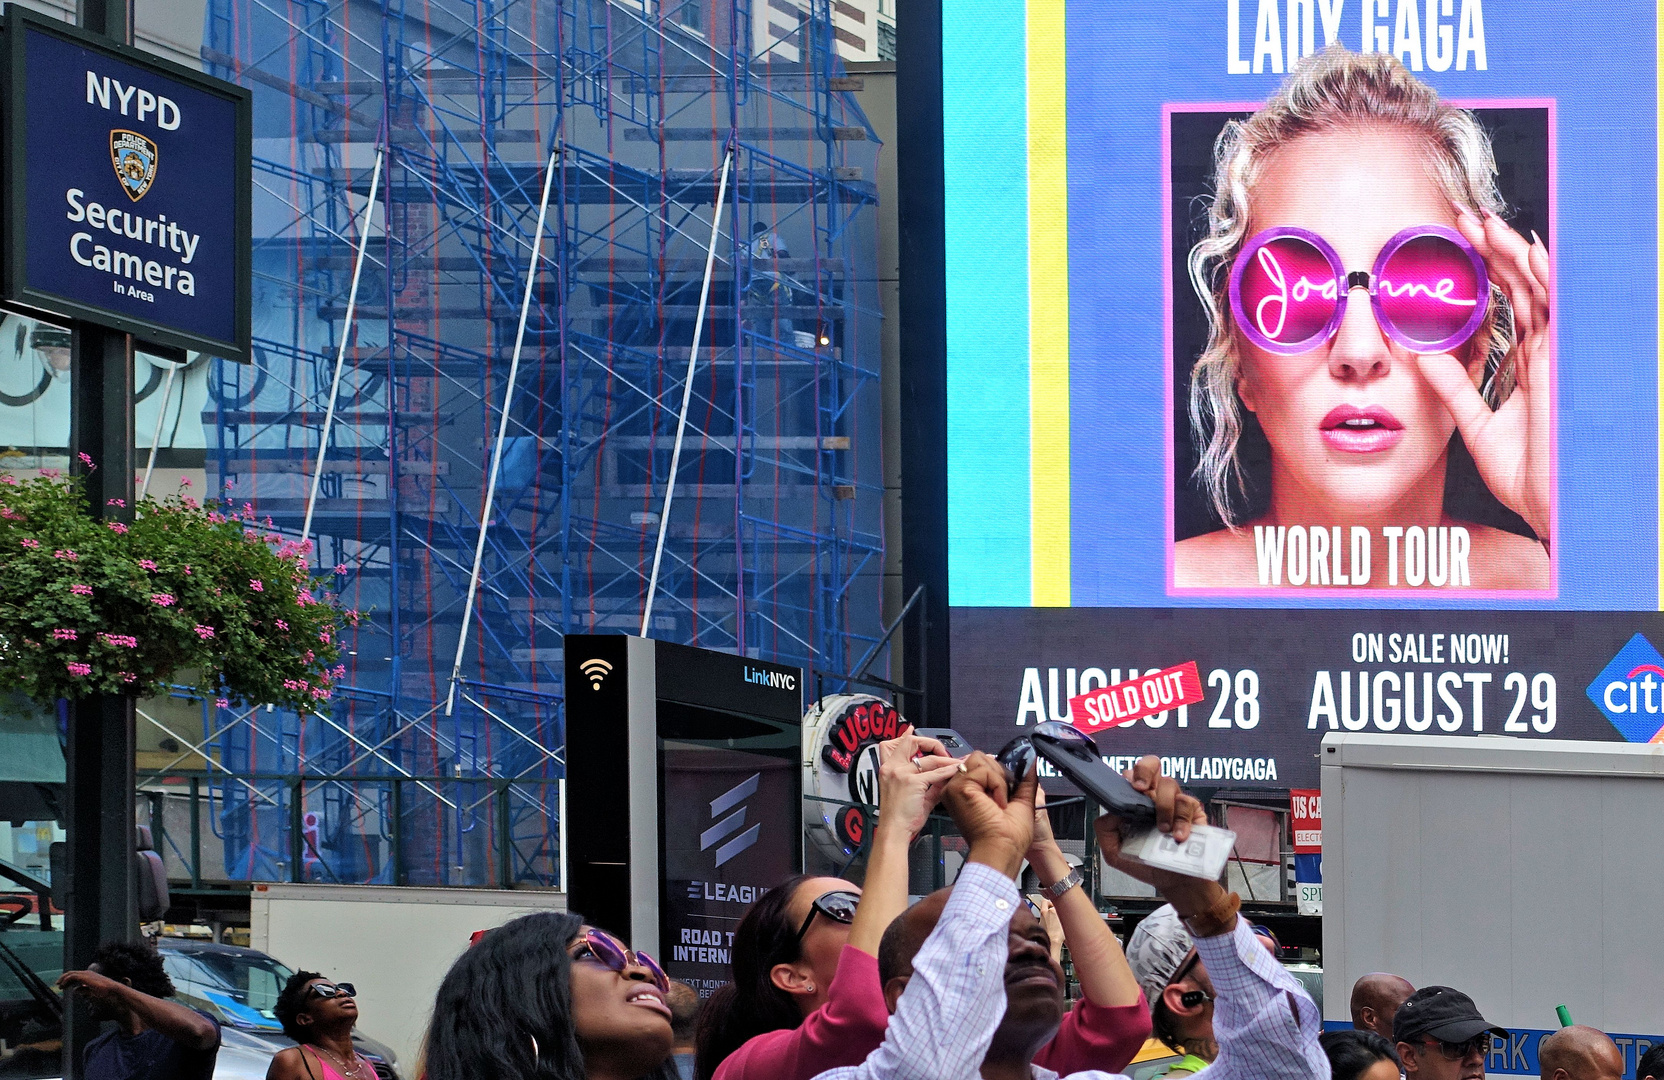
(912, 772)
(1511, 445)
(999, 830)
(1176, 812)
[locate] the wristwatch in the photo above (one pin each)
(1070, 880)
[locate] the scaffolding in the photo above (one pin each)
(458, 115)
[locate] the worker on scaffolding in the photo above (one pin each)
(770, 288)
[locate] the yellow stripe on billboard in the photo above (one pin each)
(1048, 285)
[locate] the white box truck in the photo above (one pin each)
(1524, 873)
(395, 944)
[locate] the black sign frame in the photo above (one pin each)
(14, 237)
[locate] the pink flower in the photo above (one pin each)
(184, 481)
(86, 459)
(304, 597)
(320, 694)
(341, 569)
(187, 569)
(28, 543)
(65, 553)
(127, 676)
(79, 669)
(148, 564)
(230, 483)
(117, 527)
(257, 585)
(116, 502)
(51, 474)
(281, 625)
(81, 590)
(340, 671)
(204, 632)
(223, 703)
(63, 634)
(126, 640)
(8, 479)
(161, 599)
(11, 515)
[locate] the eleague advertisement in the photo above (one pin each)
(1313, 343)
(723, 845)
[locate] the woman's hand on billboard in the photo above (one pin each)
(1512, 444)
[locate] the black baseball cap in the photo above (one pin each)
(1446, 1014)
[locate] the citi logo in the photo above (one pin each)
(774, 680)
(1629, 692)
(733, 823)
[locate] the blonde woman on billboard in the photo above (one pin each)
(1365, 302)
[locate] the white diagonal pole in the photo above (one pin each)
(502, 431)
(156, 436)
(341, 352)
(687, 389)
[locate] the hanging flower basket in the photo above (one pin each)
(94, 607)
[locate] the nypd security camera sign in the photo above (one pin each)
(127, 188)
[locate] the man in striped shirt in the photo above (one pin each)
(976, 1000)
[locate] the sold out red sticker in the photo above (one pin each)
(1121, 704)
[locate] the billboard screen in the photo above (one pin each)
(1314, 341)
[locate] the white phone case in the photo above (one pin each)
(1203, 855)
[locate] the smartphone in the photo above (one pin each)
(1073, 753)
(955, 744)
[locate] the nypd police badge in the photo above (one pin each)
(134, 159)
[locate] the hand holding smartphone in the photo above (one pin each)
(1073, 753)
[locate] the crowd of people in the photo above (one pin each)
(835, 981)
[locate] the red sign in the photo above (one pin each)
(1121, 704)
(1306, 810)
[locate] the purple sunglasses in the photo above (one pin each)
(1429, 289)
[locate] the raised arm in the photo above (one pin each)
(946, 1017)
(1100, 965)
(1263, 1020)
(183, 1025)
(912, 772)
(1108, 1028)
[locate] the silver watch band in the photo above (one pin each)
(1070, 880)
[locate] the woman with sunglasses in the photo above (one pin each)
(319, 1014)
(547, 997)
(805, 995)
(1366, 302)
(774, 950)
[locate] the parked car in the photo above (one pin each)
(236, 986)
(239, 988)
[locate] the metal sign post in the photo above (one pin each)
(126, 204)
(102, 902)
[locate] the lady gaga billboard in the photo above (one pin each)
(1297, 305)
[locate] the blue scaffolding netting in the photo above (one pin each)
(774, 542)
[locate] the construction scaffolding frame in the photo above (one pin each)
(459, 114)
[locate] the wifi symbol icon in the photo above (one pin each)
(596, 670)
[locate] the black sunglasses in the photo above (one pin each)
(1458, 1051)
(329, 990)
(837, 905)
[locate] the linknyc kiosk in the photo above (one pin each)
(682, 793)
